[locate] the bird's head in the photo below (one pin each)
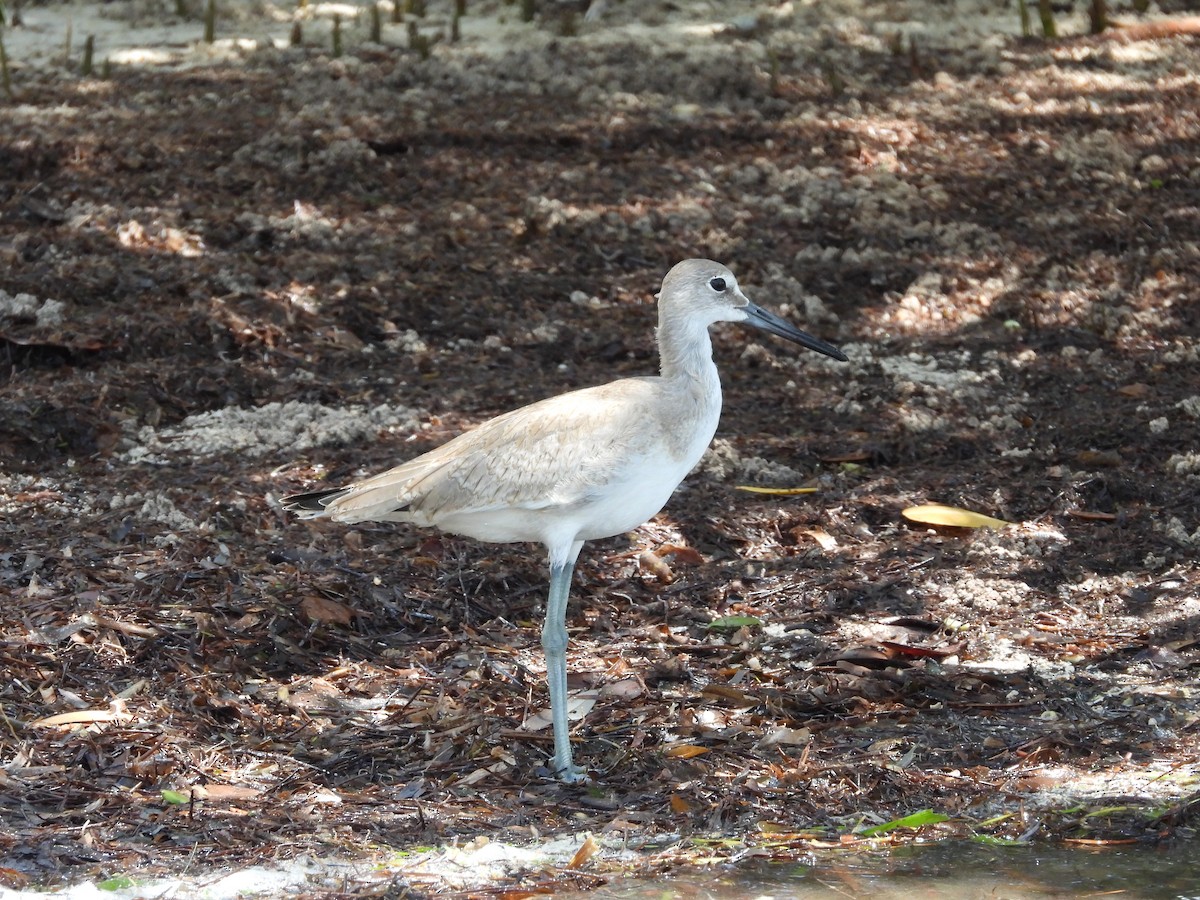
(705, 290)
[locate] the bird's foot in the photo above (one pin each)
(569, 773)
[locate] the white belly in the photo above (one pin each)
(615, 508)
(629, 505)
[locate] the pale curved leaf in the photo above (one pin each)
(938, 514)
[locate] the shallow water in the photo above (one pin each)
(958, 870)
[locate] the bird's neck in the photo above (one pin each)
(691, 388)
(685, 350)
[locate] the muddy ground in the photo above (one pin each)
(222, 283)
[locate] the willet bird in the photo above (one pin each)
(588, 464)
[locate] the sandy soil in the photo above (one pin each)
(230, 272)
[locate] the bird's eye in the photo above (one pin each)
(717, 284)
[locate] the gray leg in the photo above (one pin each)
(554, 643)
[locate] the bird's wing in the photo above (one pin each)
(557, 452)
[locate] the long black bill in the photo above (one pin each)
(768, 321)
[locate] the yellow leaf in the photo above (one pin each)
(937, 514)
(685, 751)
(781, 492)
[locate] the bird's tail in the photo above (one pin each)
(312, 505)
